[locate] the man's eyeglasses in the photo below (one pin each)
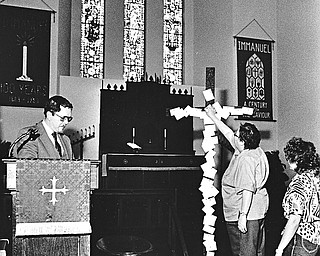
(64, 118)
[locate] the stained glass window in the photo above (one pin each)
(92, 38)
(172, 41)
(134, 28)
(255, 78)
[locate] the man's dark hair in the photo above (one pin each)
(250, 135)
(54, 104)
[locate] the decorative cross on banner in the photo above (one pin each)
(53, 190)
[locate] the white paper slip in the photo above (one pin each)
(178, 113)
(208, 95)
(237, 111)
(209, 237)
(247, 111)
(207, 209)
(208, 193)
(133, 145)
(210, 155)
(208, 229)
(209, 201)
(210, 245)
(195, 112)
(224, 113)
(217, 106)
(207, 120)
(210, 173)
(209, 130)
(211, 253)
(206, 166)
(205, 182)
(209, 220)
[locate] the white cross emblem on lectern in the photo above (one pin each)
(53, 190)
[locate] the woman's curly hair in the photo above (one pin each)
(304, 154)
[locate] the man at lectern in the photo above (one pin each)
(46, 139)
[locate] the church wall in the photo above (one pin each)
(299, 76)
(209, 30)
(215, 25)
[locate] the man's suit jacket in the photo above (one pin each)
(41, 146)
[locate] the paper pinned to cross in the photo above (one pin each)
(209, 229)
(209, 143)
(209, 191)
(208, 95)
(207, 209)
(222, 112)
(209, 131)
(209, 201)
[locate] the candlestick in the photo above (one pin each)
(133, 133)
(165, 139)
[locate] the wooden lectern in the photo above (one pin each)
(51, 206)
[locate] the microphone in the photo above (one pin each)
(31, 132)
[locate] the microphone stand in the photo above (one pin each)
(31, 132)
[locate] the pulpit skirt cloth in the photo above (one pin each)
(51, 207)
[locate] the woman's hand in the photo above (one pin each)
(211, 112)
(242, 223)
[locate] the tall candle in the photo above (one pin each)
(24, 60)
(133, 134)
(165, 138)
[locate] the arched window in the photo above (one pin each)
(255, 78)
(133, 40)
(173, 41)
(92, 39)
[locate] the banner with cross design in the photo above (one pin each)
(254, 64)
(52, 197)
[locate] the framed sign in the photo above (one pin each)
(24, 56)
(254, 63)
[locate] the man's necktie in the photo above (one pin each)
(56, 143)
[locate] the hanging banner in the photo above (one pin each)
(254, 63)
(24, 56)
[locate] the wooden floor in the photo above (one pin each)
(159, 239)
